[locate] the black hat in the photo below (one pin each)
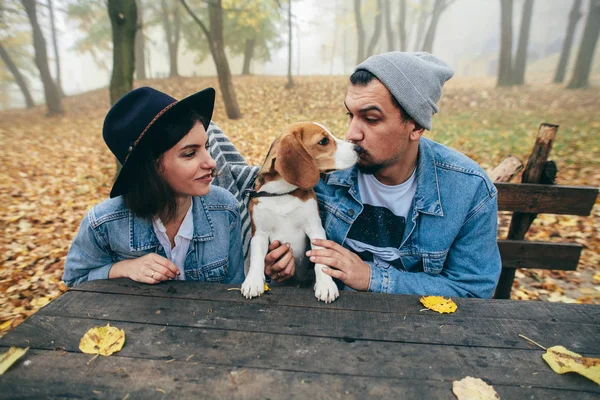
(131, 118)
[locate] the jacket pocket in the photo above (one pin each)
(216, 271)
(433, 265)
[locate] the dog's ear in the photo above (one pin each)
(295, 164)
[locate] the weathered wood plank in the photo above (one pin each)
(458, 329)
(539, 255)
(551, 199)
(116, 377)
(305, 354)
(348, 300)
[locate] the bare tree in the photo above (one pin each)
(51, 93)
(423, 14)
(14, 70)
(290, 82)
(140, 43)
(377, 31)
(217, 49)
(438, 8)
(56, 53)
(248, 54)
(583, 65)
(574, 17)
(172, 26)
(521, 58)
(360, 56)
(505, 60)
(402, 25)
(123, 19)
(388, 25)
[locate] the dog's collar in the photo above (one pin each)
(254, 194)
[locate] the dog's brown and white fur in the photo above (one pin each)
(292, 170)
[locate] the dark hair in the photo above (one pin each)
(362, 77)
(148, 194)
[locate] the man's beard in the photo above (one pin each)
(370, 169)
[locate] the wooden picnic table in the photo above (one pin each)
(195, 340)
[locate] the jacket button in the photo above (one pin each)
(350, 212)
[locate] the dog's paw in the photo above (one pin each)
(326, 290)
(253, 286)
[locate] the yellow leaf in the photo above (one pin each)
(439, 304)
(470, 388)
(103, 340)
(5, 325)
(267, 288)
(562, 360)
(10, 357)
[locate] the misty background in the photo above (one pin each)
(324, 40)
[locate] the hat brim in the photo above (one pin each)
(202, 102)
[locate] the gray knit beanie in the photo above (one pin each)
(414, 79)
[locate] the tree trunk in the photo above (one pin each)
(505, 60)
(574, 16)
(248, 54)
(51, 93)
(360, 57)
(402, 25)
(140, 45)
(12, 67)
(123, 19)
(290, 82)
(521, 59)
(388, 26)
(377, 32)
(172, 33)
(421, 25)
(61, 92)
(583, 65)
(215, 43)
(438, 8)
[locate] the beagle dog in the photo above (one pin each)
(283, 205)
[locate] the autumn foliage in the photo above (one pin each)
(52, 170)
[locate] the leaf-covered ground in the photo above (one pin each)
(52, 170)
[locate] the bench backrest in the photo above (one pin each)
(543, 199)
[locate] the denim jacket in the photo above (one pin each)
(449, 245)
(110, 232)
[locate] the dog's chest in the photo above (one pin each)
(272, 214)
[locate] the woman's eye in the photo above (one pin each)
(190, 154)
(324, 141)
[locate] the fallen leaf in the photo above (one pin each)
(470, 388)
(267, 288)
(103, 340)
(10, 357)
(562, 361)
(5, 325)
(439, 304)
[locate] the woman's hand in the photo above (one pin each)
(151, 268)
(279, 262)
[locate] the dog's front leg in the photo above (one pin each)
(254, 284)
(325, 288)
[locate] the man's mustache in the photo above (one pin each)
(359, 149)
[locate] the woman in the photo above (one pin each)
(163, 220)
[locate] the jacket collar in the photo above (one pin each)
(141, 231)
(427, 197)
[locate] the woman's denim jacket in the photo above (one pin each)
(110, 233)
(449, 244)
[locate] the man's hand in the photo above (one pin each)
(341, 263)
(279, 262)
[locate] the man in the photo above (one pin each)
(413, 216)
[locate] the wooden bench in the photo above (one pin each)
(526, 200)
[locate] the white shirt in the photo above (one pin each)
(182, 241)
(377, 233)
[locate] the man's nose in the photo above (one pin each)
(354, 133)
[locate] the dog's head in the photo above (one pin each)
(307, 149)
